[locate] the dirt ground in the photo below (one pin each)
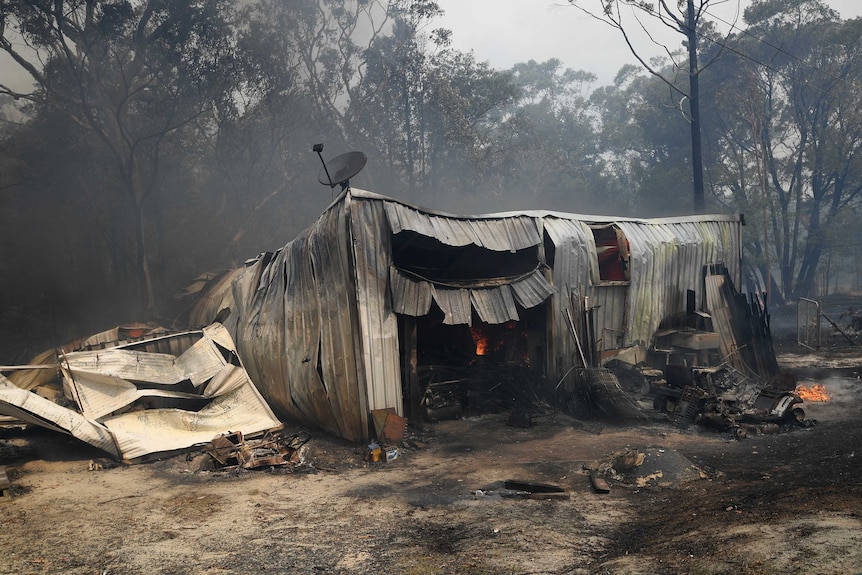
(780, 503)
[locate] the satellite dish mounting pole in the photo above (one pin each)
(319, 148)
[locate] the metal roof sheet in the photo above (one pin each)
(409, 296)
(455, 304)
(533, 289)
(503, 234)
(494, 305)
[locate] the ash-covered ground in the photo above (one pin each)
(702, 502)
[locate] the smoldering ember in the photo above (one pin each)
(399, 390)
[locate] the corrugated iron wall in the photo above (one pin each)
(378, 324)
(666, 260)
(294, 320)
(315, 326)
(571, 274)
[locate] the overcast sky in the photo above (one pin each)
(505, 32)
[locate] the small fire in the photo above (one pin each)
(480, 339)
(816, 392)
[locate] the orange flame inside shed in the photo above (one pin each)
(816, 392)
(480, 339)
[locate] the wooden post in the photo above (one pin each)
(410, 367)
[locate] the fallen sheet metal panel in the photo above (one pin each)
(31, 408)
(126, 405)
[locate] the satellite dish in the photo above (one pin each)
(341, 168)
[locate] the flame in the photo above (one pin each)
(816, 392)
(480, 339)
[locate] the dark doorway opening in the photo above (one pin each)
(463, 370)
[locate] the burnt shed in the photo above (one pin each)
(341, 320)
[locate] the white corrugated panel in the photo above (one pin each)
(235, 404)
(201, 361)
(126, 364)
(27, 406)
(140, 433)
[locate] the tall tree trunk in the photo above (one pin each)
(694, 93)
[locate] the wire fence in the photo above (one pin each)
(808, 333)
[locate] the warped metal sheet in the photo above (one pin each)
(341, 394)
(532, 289)
(125, 364)
(509, 234)
(455, 304)
(200, 362)
(140, 433)
(410, 296)
(229, 379)
(217, 297)
(27, 406)
(506, 234)
(413, 297)
(494, 305)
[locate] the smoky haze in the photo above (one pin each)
(192, 152)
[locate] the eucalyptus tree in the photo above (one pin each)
(546, 148)
(643, 145)
(688, 18)
(429, 110)
(463, 109)
(789, 133)
(132, 75)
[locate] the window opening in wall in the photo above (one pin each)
(612, 253)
